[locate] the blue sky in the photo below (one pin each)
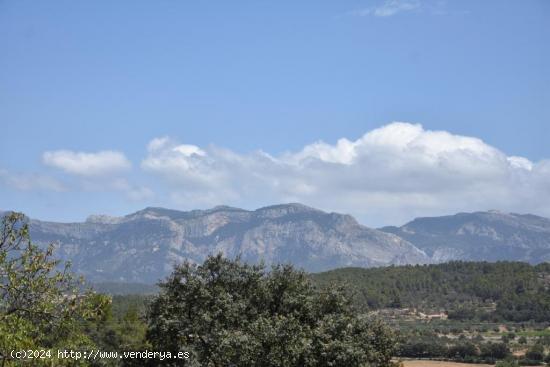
(232, 79)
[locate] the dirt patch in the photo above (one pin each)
(422, 363)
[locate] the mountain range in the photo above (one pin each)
(480, 236)
(144, 246)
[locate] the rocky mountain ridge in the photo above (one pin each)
(144, 246)
(480, 236)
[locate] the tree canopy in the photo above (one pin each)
(464, 289)
(227, 313)
(41, 306)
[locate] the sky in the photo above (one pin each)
(384, 109)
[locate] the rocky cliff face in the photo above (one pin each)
(489, 236)
(144, 246)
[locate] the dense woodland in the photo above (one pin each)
(509, 291)
(493, 309)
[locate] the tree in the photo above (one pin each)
(226, 313)
(535, 353)
(40, 306)
(463, 350)
(495, 350)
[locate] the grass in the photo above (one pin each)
(534, 333)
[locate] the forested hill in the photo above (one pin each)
(503, 290)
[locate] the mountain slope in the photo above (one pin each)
(489, 236)
(143, 246)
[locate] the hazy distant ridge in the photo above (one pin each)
(143, 246)
(489, 236)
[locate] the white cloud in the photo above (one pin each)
(159, 144)
(87, 164)
(389, 8)
(28, 182)
(520, 163)
(390, 174)
(100, 171)
(178, 161)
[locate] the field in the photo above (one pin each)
(423, 363)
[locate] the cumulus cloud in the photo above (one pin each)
(87, 164)
(389, 8)
(388, 175)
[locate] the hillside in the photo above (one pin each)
(503, 290)
(487, 236)
(142, 247)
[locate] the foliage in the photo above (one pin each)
(122, 330)
(40, 307)
(495, 350)
(467, 290)
(535, 353)
(227, 313)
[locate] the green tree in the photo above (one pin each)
(535, 353)
(40, 306)
(226, 313)
(495, 350)
(463, 350)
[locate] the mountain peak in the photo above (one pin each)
(280, 210)
(225, 208)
